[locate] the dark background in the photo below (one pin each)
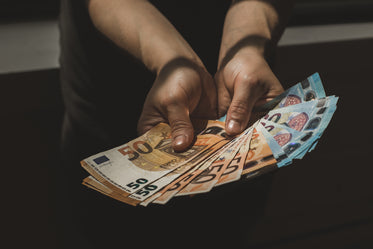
(322, 201)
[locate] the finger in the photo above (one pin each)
(224, 97)
(246, 92)
(148, 119)
(207, 100)
(181, 127)
(275, 88)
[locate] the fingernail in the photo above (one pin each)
(234, 127)
(179, 141)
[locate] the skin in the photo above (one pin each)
(183, 89)
(244, 79)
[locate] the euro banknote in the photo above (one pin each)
(309, 89)
(147, 170)
(309, 118)
(205, 181)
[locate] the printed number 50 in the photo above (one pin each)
(137, 184)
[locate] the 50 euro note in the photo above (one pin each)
(129, 167)
(181, 185)
(178, 184)
(213, 169)
(94, 184)
(253, 158)
(169, 183)
(260, 158)
(258, 155)
(234, 169)
(214, 128)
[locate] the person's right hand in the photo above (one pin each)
(181, 90)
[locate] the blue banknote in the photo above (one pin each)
(291, 141)
(306, 90)
(277, 151)
(310, 118)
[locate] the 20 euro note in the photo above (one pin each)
(309, 89)
(282, 159)
(310, 118)
(316, 131)
(306, 90)
(302, 116)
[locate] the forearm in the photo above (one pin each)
(139, 28)
(253, 25)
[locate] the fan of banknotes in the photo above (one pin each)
(147, 170)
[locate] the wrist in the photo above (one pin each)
(255, 48)
(182, 68)
(172, 61)
(249, 26)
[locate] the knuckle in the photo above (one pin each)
(252, 84)
(251, 80)
(170, 98)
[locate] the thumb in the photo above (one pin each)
(181, 127)
(246, 92)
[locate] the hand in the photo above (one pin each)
(245, 81)
(181, 90)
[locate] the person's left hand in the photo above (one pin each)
(245, 81)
